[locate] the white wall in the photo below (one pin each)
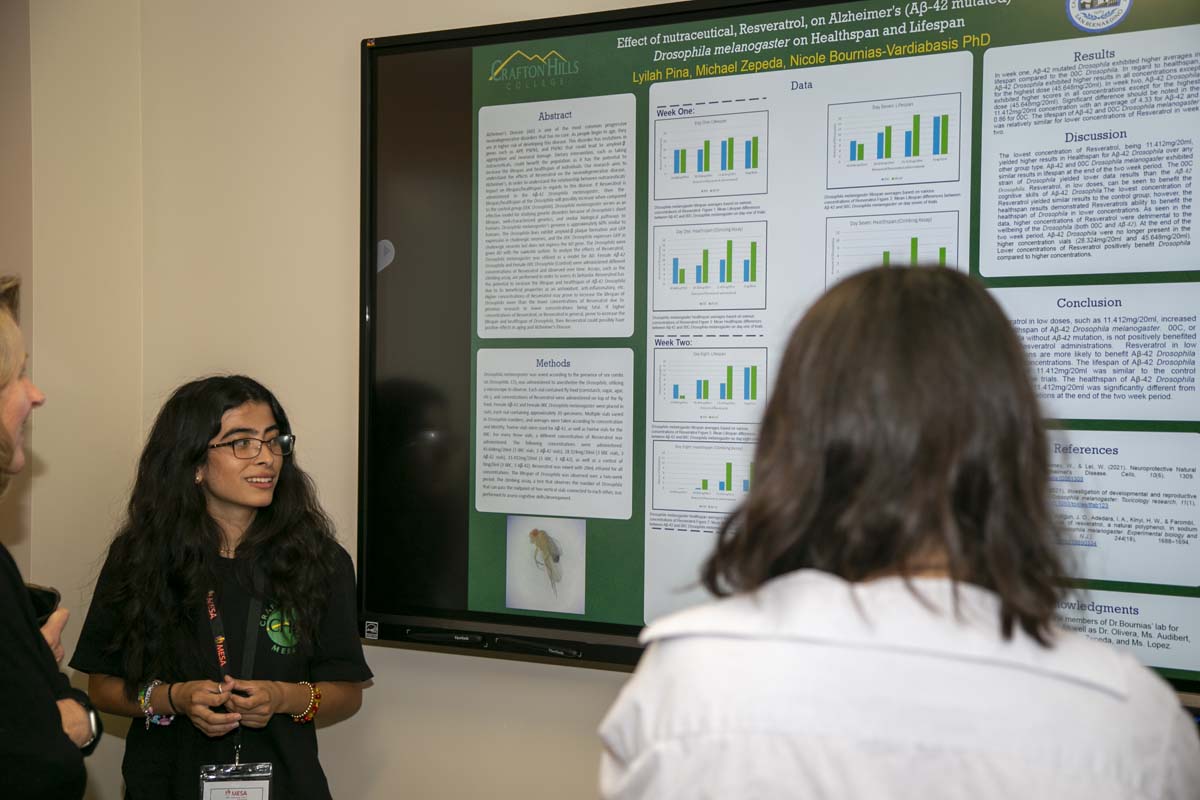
(195, 192)
(86, 296)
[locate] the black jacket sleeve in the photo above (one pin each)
(37, 760)
(338, 652)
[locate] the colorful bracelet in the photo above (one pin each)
(148, 710)
(314, 702)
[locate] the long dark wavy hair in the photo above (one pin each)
(164, 553)
(903, 432)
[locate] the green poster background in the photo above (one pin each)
(598, 64)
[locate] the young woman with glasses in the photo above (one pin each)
(224, 617)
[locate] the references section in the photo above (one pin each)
(1128, 504)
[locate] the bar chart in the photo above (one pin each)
(893, 240)
(709, 477)
(894, 141)
(718, 267)
(700, 156)
(710, 385)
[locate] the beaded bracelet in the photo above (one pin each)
(148, 710)
(314, 702)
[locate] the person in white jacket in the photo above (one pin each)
(891, 583)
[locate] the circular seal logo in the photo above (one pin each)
(279, 629)
(1096, 16)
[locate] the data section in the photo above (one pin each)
(700, 154)
(704, 477)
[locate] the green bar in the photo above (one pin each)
(887, 258)
(705, 391)
(945, 134)
(729, 476)
(683, 161)
(729, 153)
(754, 261)
(754, 381)
(754, 153)
(941, 256)
(728, 383)
(887, 141)
(729, 260)
(704, 484)
(860, 152)
(913, 248)
(916, 134)
(682, 275)
(707, 158)
(704, 269)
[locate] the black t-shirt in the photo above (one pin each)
(165, 761)
(37, 760)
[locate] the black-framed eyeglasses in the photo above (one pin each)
(248, 447)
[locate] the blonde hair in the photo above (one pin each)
(12, 356)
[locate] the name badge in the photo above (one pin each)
(235, 781)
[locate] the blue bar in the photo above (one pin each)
(908, 143)
(746, 383)
(722, 391)
(699, 390)
(746, 270)
(745, 486)
(722, 270)
(749, 161)
(721, 484)
(879, 145)
(853, 150)
(700, 165)
(937, 135)
(699, 274)
(725, 155)
(676, 162)
(676, 397)
(674, 270)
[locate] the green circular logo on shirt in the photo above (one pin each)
(279, 628)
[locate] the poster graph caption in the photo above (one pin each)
(907, 233)
(703, 284)
(910, 152)
(741, 169)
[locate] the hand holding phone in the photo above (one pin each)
(45, 600)
(50, 617)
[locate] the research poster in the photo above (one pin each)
(655, 208)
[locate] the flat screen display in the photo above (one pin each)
(585, 240)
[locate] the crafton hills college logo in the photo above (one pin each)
(520, 70)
